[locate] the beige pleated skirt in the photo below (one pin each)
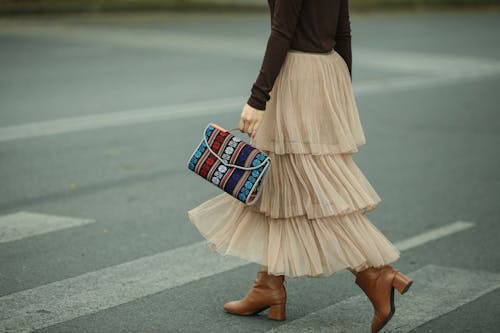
(310, 218)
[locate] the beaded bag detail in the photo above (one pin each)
(230, 163)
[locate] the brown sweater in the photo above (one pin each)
(305, 25)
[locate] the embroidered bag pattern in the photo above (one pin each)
(230, 163)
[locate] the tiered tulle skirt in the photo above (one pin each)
(310, 218)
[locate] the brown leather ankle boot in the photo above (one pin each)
(268, 291)
(378, 284)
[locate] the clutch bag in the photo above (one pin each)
(230, 163)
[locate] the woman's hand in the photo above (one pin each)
(250, 120)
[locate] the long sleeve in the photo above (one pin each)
(283, 23)
(343, 35)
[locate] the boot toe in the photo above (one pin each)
(380, 320)
(238, 308)
(230, 306)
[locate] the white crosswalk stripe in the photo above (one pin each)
(63, 300)
(433, 235)
(436, 291)
(26, 224)
(67, 299)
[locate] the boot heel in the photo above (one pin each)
(277, 312)
(401, 282)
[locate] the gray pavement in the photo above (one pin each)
(93, 109)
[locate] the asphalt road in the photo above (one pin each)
(99, 115)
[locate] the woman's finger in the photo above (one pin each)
(251, 127)
(242, 124)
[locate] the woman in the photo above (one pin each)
(309, 219)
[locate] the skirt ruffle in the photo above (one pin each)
(312, 108)
(294, 246)
(309, 219)
(315, 186)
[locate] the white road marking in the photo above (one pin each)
(63, 300)
(168, 40)
(425, 63)
(435, 291)
(433, 235)
(122, 118)
(248, 48)
(421, 70)
(67, 299)
(26, 224)
(210, 107)
(406, 83)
